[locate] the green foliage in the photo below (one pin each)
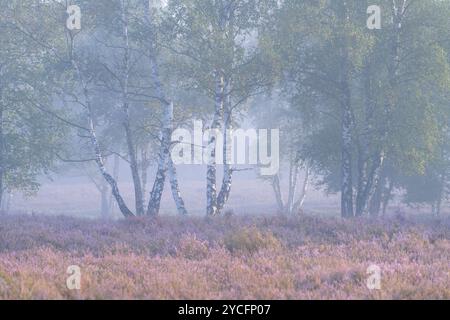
(399, 104)
(29, 138)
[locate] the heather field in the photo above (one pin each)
(225, 258)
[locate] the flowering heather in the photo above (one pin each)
(224, 258)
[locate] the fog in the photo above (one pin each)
(76, 195)
(224, 149)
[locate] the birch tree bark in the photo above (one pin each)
(164, 160)
(301, 200)
(225, 190)
(164, 153)
(365, 145)
(145, 164)
(176, 193)
(116, 172)
(211, 180)
(99, 159)
(293, 176)
(346, 166)
(101, 165)
(346, 120)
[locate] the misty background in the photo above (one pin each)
(92, 91)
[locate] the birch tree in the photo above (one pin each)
(216, 42)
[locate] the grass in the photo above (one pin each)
(224, 258)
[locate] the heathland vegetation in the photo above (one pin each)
(225, 258)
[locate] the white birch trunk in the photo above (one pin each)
(164, 159)
(211, 183)
(179, 202)
(301, 200)
(99, 160)
(164, 153)
(347, 181)
(346, 123)
(225, 190)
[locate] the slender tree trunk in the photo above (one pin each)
(375, 178)
(164, 161)
(164, 154)
(387, 196)
(145, 163)
(179, 202)
(346, 173)
(138, 195)
(158, 187)
(116, 171)
(277, 191)
(382, 195)
(154, 204)
(300, 202)
(225, 190)
(295, 204)
(293, 176)
(346, 120)
(211, 183)
(100, 163)
(368, 190)
(139, 201)
(112, 182)
(376, 202)
(96, 145)
(367, 167)
(362, 181)
(441, 193)
(222, 108)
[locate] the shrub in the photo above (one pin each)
(250, 240)
(192, 249)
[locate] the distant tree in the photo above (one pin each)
(273, 111)
(29, 138)
(365, 90)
